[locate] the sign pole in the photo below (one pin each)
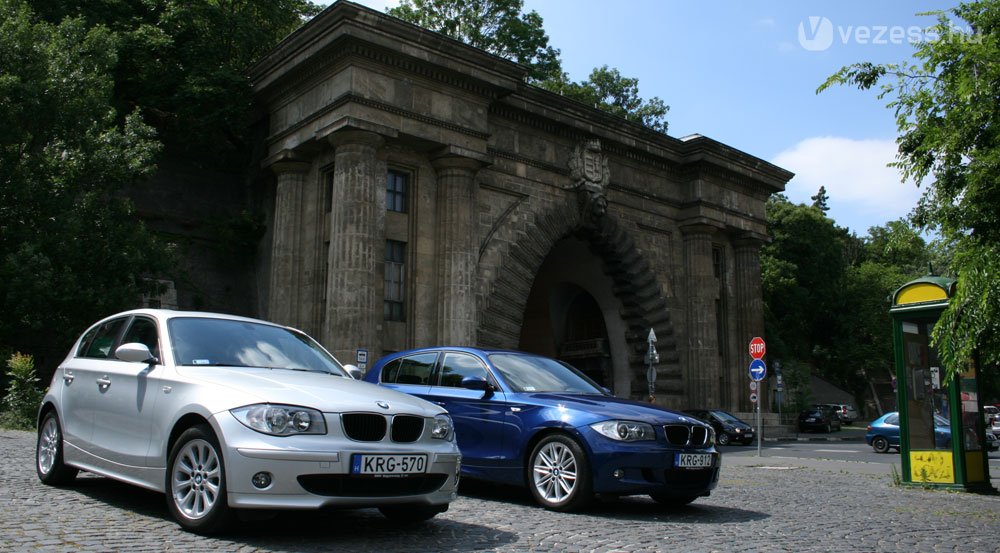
(758, 370)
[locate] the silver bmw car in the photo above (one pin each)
(223, 413)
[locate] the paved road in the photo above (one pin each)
(774, 505)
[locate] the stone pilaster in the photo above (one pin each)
(457, 249)
(286, 247)
(701, 369)
(749, 315)
(357, 246)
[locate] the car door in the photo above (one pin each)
(478, 415)
(126, 394)
(81, 390)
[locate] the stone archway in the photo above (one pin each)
(643, 306)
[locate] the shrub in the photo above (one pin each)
(20, 405)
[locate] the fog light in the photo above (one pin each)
(618, 473)
(261, 480)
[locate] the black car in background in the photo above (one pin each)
(728, 428)
(820, 418)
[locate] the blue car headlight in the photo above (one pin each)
(280, 420)
(625, 431)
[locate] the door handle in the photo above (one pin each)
(68, 377)
(104, 382)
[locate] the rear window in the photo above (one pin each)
(415, 369)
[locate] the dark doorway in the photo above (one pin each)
(585, 345)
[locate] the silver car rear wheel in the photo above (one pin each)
(49, 453)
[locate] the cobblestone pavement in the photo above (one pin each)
(758, 506)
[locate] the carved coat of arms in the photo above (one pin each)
(588, 168)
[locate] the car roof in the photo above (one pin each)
(467, 349)
(165, 314)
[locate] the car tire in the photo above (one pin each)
(880, 444)
(723, 438)
(196, 482)
(672, 500)
(558, 474)
(409, 514)
(49, 453)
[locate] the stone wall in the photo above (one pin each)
(502, 177)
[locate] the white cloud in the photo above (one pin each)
(862, 190)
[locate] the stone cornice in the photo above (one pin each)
(344, 99)
(348, 28)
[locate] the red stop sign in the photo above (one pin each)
(757, 347)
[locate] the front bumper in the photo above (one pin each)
(310, 472)
(647, 467)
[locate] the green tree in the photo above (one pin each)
(495, 26)
(607, 90)
(802, 271)
(71, 249)
(500, 27)
(182, 65)
(820, 200)
(948, 116)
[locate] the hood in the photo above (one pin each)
(597, 408)
(325, 392)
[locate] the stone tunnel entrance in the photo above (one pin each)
(572, 314)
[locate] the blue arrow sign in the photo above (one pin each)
(757, 370)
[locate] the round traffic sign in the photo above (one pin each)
(753, 385)
(757, 370)
(757, 347)
(753, 397)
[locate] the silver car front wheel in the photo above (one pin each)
(196, 482)
(560, 474)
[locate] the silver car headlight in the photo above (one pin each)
(280, 420)
(625, 431)
(443, 428)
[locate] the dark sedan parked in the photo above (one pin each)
(531, 421)
(728, 428)
(819, 418)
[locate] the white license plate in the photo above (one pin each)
(692, 460)
(810, 419)
(362, 463)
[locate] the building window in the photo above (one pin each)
(395, 280)
(395, 191)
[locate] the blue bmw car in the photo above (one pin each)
(528, 420)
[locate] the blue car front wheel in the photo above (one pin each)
(559, 474)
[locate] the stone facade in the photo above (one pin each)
(526, 220)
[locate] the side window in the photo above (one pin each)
(457, 366)
(143, 331)
(415, 369)
(99, 340)
(894, 420)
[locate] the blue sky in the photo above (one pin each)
(743, 73)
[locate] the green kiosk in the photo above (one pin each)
(934, 410)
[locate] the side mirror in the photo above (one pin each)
(478, 383)
(136, 352)
(607, 391)
(354, 372)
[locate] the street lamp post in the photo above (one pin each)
(652, 358)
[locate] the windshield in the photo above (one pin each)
(225, 342)
(529, 373)
(725, 417)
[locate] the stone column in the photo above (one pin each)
(286, 248)
(457, 249)
(749, 315)
(357, 246)
(701, 370)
